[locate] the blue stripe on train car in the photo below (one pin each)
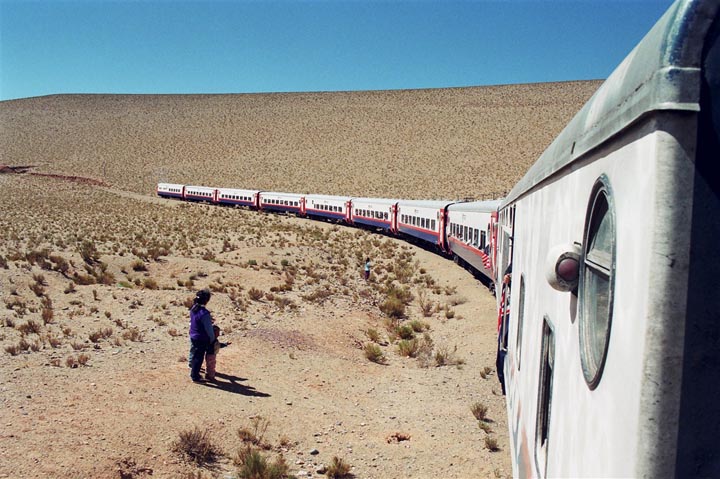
(170, 195)
(225, 201)
(326, 214)
(285, 209)
(422, 234)
(369, 222)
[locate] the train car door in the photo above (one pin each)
(442, 239)
(302, 205)
(348, 211)
(393, 218)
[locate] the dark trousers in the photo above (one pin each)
(198, 349)
(500, 368)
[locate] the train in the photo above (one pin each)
(605, 264)
(461, 229)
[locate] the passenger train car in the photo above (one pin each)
(611, 346)
(604, 257)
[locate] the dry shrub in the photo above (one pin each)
(338, 468)
(83, 359)
(255, 434)
(133, 334)
(47, 315)
(479, 410)
(30, 327)
(393, 307)
(255, 294)
(374, 353)
(13, 349)
(373, 335)
(195, 444)
(418, 326)
(408, 347)
(252, 464)
(150, 283)
(491, 444)
(445, 357)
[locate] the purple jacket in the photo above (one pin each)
(201, 325)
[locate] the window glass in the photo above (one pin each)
(545, 386)
(596, 283)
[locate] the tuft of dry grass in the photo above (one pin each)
(374, 353)
(479, 410)
(196, 445)
(338, 468)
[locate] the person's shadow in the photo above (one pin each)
(231, 384)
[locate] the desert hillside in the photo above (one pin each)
(442, 143)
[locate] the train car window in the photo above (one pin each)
(545, 390)
(482, 240)
(433, 225)
(520, 316)
(597, 280)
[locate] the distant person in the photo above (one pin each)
(367, 269)
(211, 356)
(201, 333)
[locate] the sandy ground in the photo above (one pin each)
(301, 368)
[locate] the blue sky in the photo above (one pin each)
(243, 46)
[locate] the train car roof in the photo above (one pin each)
(239, 189)
(201, 187)
(485, 206)
(375, 200)
(328, 197)
(425, 203)
(661, 73)
(281, 193)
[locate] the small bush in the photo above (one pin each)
(374, 353)
(338, 469)
(13, 349)
(373, 335)
(255, 294)
(256, 432)
(491, 444)
(150, 283)
(138, 265)
(196, 445)
(47, 315)
(479, 410)
(253, 465)
(31, 326)
(408, 347)
(485, 427)
(418, 326)
(133, 334)
(405, 332)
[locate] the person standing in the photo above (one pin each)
(367, 269)
(201, 333)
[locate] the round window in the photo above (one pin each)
(597, 282)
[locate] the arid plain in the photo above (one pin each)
(96, 272)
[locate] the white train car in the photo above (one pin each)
(469, 232)
(170, 190)
(424, 220)
(236, 197)
(200, 193)
(376, 212)
(328, 207)
(611, 358)
(283, 202)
